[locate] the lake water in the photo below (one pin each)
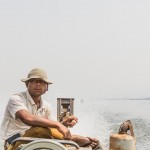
(101, 118)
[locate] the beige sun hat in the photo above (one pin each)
(37, 73)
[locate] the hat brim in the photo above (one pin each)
(27, 79)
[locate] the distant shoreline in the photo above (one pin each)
(120, 99)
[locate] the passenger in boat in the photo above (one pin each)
(125, 127)
(29, 115)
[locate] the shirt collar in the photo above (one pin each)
(32, 101)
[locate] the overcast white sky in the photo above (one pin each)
(90, 49)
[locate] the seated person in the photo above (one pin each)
(29, 115)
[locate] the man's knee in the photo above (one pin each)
(36, 132)
(39, 132)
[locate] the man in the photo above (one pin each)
(29, 115)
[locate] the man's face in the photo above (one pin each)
(36, 87)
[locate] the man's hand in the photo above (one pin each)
(64, 130)
(70, 121)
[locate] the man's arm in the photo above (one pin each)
(33, 120)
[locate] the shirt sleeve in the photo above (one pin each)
(15, 104)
